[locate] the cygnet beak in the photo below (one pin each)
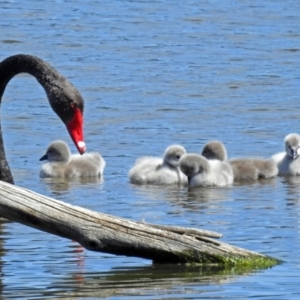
(294, 153)
(44, 157)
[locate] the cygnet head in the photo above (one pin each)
(58, 151)
(192, 164)
(292, 145)
(215, 150)
(173, 154)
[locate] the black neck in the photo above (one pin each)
(10, 67)
(46, 75)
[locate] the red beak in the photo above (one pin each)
(75, 128)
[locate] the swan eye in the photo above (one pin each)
(177, 156)
(74, 105)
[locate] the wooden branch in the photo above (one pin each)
(101, 232)
(185, 230)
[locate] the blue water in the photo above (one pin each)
(155, 73)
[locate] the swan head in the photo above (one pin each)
(215, 150)
(192, 164)
(173, 155)
(68, 104)
(292, 145)
(58, 151)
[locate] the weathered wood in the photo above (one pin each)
(187, 231)
(101, 232)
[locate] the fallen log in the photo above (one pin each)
(110, 234)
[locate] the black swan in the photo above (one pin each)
(63, 97)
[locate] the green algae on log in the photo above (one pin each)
(254, 261)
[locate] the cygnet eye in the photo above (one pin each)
(178, 156)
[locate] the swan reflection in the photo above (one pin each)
(60, 185)
(192, 198)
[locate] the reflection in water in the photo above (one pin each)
(199, 198)
(2, 250)
(155, 192)
(291, 181)
(59, 185)
(292, 186)
(192, 199)
(208, 194)
(258, 183)
(150, 280)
